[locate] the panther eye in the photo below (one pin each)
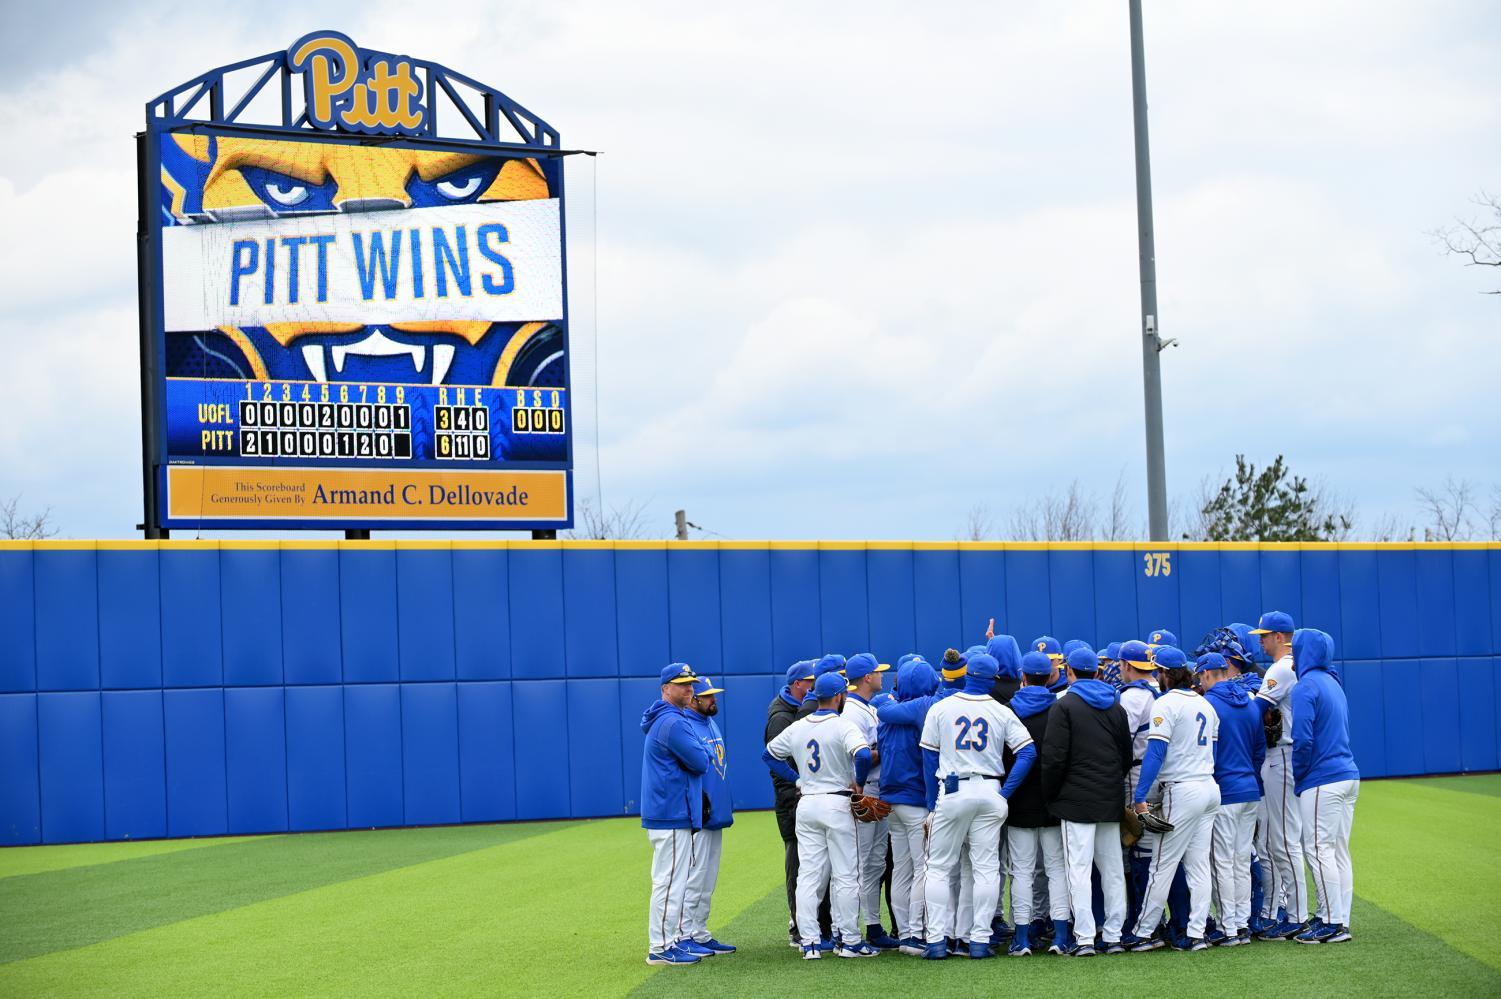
(459, 189)
(286, 193)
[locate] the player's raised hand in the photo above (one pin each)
(990, 631)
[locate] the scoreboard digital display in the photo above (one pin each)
(351, 333)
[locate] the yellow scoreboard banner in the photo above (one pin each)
(228, 493)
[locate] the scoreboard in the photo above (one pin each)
(346, 333)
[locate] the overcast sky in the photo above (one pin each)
(863, 266)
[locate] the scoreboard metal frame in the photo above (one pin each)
(202, 106)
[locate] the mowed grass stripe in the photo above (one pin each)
(77, 906)
(18, 860)
(1487, 784)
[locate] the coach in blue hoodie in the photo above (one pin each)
(1238, 754)
(1326, 781)
(673, 762)
(902, 788)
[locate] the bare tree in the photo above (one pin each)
(1450, 510)
(1114, 524)
(1495, 513)
(18, 526)
(622, 523)
(1390, 528)
(1476, 240)
(1054, 517)
(979, 524)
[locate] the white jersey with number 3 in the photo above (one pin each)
(1189, 726)
(822, 747)
(969, 731)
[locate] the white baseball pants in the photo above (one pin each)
(870, 849)
(1190, 806)
(1328, 816)
(971, 817)
(671, 858)
(703, 875)
(1087, 845)
(826, 855)
(1234, 827)
(909, 869)
(1283, 838)
(1024, 846)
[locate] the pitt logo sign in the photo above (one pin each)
(355, 91)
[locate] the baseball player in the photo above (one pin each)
(962, 741)
(718, 815)
(871, 842)
(1180, 754)
(1282, 822)
(832, 760)
(1238, 756)
(1138, 691)
(1326, 782)
(1031, 830)
(783, 711)
(673, 762)
(1048, 646)
(903, 788)
(1161, 636)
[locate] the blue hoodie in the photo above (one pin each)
(1008, 655)
(721, 808)
(672, 765)
(1321, 716)
(1241, 747)
(901, 758)
(1096, 693)
(1031, 699)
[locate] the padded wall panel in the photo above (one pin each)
(937, 602)
(1478, 748)
(135, 771)
(1472, 625)
(430, 753)
(196, 792)
(369, 627)
(745, 611)
(693, 609)
(1321, 603)
(192, 630)
(312, 650)
(594, 772)
(1439, 690)
(130, 619)
(482, 614)
(796, 633)
(641, 611)
(844, 602)
(1435, 586)
(1114, 595)
(893, 627)
(983, 594)
(1366, 695)
(255, 754)
(372, 754)
(590, 646)
(70, 767)
(541, 727)
(1397, 579)
(1495, 566)
(1029, 604)
(1201, 578)
(537, 612)
(251, 587)
(1241, 597)
(67, 621)
(316, 785)
(635, 696)
(1158, 600)
(424, 602)
(1406, 732)
(1071, 592)
(1360, 604)
(1282, 583)
(20, 791)
(487, 761)
(742, 719)
(18, 623)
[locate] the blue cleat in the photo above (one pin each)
(1000, 929)
(1060, 944)
(1340, 934)
(826, 945)
(1083, 950)
(913, 947)
(811, 952)
(1149, 944)
(1197, 943)
(936, 951)
(878, 938)
(718, 948)
(1217, 937)
(857, 949)
(671, 957)
(1021, 942)
(1115, 947)
(980, 951)
(691, 946)
(1312, 934)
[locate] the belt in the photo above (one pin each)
(812, 794)
(950, 784)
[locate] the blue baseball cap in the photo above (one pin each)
(1083, 660)
(831, 663)
(1074, 643)
(679, 673)
(1169, 657)
(1048, 646)
(703, 685)
(1274, 621)
(1210, 660)
(800, 671)
(1161, 636)
(1111, 652)
(1037, 664)
(983, 666)
(862, 665)
(1134, 653)
(828, 685)
(907, 658)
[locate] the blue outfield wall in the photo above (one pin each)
(152, 689)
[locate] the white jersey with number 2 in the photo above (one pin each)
(1189, 726)
(968, 731)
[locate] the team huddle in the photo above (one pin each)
(1135, 798)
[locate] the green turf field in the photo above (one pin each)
(559, 908)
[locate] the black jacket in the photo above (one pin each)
(1004, 687)
(778, 716)
(1027, 809)
(1084, 759)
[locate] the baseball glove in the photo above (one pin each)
(1152, 820)
(1130, 827)
(1272, 723)
(868, 808)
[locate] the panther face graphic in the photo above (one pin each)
(214, 179)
